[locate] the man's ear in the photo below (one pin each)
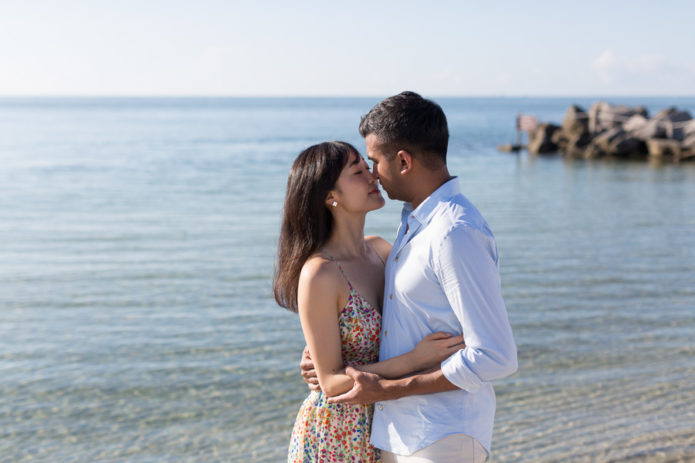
(406, 161)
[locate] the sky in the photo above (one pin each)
(349, 48)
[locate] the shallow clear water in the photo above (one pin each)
(137, 240)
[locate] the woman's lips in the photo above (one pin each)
(374, 191)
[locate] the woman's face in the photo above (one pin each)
(357, 189)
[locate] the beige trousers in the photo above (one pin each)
(454, 448)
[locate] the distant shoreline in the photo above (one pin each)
(330, 97)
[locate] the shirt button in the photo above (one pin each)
(381, 407)
(396, 259)
(386, 333)
(390, 296)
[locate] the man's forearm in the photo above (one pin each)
(422, 383)
(369, 387)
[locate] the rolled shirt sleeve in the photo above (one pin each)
(467, 267)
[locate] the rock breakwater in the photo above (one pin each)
(618, 131)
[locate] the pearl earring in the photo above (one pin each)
(335, 203)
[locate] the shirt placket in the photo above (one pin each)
(389, 309)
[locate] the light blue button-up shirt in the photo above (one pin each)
(442, 275)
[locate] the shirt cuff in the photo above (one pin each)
(458, 373)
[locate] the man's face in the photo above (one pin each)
(385, 167)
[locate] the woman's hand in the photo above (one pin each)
(436, 347)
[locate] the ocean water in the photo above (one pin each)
(137, 241)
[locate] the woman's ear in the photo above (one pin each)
(406, 161)
(331, 200)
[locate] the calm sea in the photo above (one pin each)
(137, 241)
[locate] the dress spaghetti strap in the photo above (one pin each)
(339, 268)
(377, 254)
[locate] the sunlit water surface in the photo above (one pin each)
(137, 240)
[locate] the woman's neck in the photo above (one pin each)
(347, 239)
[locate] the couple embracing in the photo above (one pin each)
(404, 340)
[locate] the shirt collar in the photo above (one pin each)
(423, 213)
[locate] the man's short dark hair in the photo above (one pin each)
(411, 122)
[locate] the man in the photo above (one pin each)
(442, 275)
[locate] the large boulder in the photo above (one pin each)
(592, 151)
(688, 145)
(600, 144)
(673, 122)
(560, 138)
(607, 138)
(627, 146)
(687, 155)
(577, 145)
(689, 136)
(660, 148)
(689, 129)
(636, 122)
(604, 116)
(615, 142)
(576, 122)
(540, 140)
(689, 142)
(644, 129)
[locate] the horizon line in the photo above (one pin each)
(289, 96)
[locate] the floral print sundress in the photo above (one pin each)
(326, 432)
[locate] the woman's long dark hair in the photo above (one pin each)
(306, 221)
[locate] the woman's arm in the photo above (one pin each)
(429, 352)
(317, 298)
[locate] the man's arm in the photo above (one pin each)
(466, 266)
(369, 387)
(430, 351)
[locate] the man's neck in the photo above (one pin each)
(429, 182)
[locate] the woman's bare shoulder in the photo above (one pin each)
(380, 245)
(319, 272)
(319, 286)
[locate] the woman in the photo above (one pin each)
(333, 276)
